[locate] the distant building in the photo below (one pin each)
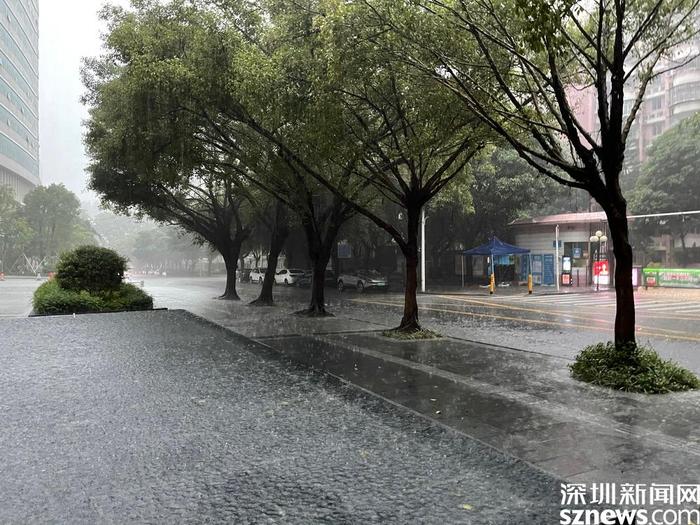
(19, 95)
(668, 99)
(575, 229)
(538, 234)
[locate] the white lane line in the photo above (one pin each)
(679, 308)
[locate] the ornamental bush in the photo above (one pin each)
(51, 299)
(90, 268)
(632, 368)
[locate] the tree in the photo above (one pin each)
(277, 228)
(669, 181)
(401, 141)
(198, 203)
(219, 96)
(520, 66)
(147, 159)
(53, 214)
(15, 233)
(416, 140)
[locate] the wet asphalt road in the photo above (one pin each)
(554, 325)
(160, 417)
(16, 296)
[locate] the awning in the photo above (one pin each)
(495, 247)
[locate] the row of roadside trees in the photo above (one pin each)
(47, 223)
(220, 115)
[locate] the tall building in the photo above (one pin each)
(19, 95)
(669, 98)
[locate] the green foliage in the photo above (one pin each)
(92, 269)
(632, 368)
(51, 299)
(669, 182)
(15, 233)
(53, 214)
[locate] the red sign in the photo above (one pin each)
(566, 279)
(600, 268)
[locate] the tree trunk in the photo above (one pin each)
(277, 239)
(230, 253)
(319, 253)
(624, 291)
(409, 322)
(684, 250)
(317, 306)
(230, 292)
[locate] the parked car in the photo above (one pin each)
(362, 280)
(288, 276)
(257, 275)
(305, 280)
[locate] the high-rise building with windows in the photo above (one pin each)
(671, 96)
(19, 95)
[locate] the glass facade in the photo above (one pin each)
(19, 95)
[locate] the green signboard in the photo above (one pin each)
(674, 278)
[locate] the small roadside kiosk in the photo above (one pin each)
(497, 248)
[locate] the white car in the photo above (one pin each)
(288, 276)
(362, 280)
(258, 275)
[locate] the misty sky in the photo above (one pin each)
(68, 31)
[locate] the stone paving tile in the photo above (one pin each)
(568, 430)
(161, 417)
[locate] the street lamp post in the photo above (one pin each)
(600, 239)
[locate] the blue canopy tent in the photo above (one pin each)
(496, 247)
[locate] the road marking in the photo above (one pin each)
(680, 308)
(643, 307)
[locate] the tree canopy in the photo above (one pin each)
(669, 182)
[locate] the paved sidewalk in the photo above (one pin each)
(160, 417)
(520, 402)
(523, 403)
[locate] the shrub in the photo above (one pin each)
(632, 368)
(50, 298)
(128, 297)
(91, 268)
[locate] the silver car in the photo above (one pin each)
(362, 280)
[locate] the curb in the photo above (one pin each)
(34, 314)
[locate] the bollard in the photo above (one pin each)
(529, 284)
(492, 284)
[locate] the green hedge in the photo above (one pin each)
(91, 268)
(632, 368)
(50, 298)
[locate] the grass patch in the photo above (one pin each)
(417, 335)
(51, 299)
(631, 368)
